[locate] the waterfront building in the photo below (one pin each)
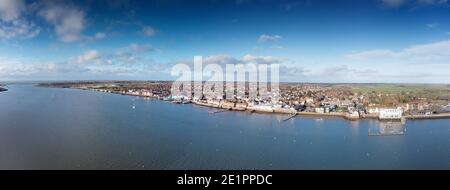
(373, 111)
(261, 108)
(320, 110)
(396, 113)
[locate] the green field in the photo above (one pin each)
(422, 90)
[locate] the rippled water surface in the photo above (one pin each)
(49, 128)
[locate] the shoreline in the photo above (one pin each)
(426, 117)
(285, 111)
(337, 114)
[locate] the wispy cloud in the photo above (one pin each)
(13, 25)
(140, 47)
(438, 52)
(89, 56)
(131, 54)
(18, 29)
(223, 60)
(148, 31)
(268, 38)
(99, 35)
(370, 54)
(67, 19)
(262, 59)
(413, 3)
(13, 69)
(11, 10)
(433, 25)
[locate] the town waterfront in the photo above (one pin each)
(55, 128)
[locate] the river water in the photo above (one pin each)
(51, 128)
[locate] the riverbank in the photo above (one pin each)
(313, 114)
(434, 116)
(267, 109)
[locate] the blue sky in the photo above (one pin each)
(405, 41)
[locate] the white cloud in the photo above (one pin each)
(262, 59)
(432, 25)
(267, 38)
(140, 48)
(220, 60)
(371, 54)
(11, 10)
(12, 23)
(89, 56)
(148, 31)
(99, 36)
(438, 52)
(355, 74)
(13, 69)
(67, 20)
(226, 59)
(345, 71)
(125, 57)
(291, 72)
(18, 29)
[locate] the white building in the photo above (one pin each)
(373, 111)
(391, 113)
(319, 110)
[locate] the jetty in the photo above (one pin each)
(290, 117)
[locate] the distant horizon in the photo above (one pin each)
(337, 83)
